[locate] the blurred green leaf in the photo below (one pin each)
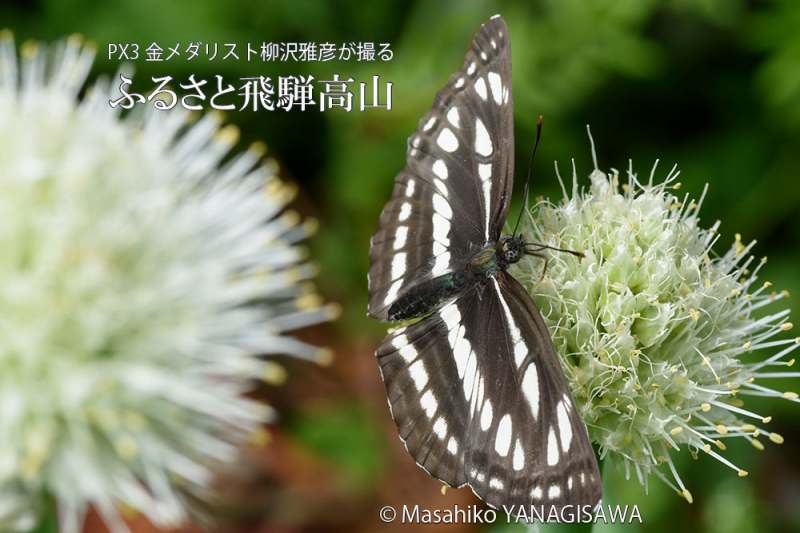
(344, 435)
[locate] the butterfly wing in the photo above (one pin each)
(453, 194)
(421, 379)
(528, 443)
(479, 397)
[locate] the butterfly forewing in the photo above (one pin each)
(454, 192)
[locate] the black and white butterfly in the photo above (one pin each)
(474, 384)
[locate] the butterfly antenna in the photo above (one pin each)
(527, 188)
(534, 247)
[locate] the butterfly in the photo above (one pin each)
(474, 384)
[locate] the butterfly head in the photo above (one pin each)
(510, 249)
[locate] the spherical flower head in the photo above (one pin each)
(662, 341)
(146, 276)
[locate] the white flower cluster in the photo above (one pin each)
(661, 340)
(146, 274)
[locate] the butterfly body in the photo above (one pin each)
(474, 383)
(428, 296)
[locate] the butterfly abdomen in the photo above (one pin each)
(424, 298)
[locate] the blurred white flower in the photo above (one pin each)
(145, 272)
(661, 339)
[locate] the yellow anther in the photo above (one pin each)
(688, 495)
(757, 444)
(786, 326)
(259, 437)
(258, 148)
(743, 473)
(135, 421)
(746, 346)
(264, 411)
(127, 511)
(289, 192)
(91, 46)
(695, 314)
(766, 419)
(738, 244)
(274, 374)
(290, 218)
(126, 447)
(720, 445)
(310, 225)
(273, 187)
(722, 430)
(776, 438)
(308, 301)
(324, 356)
(705, 407)
(29, 49)
(333, 310)
(75, 39)
(217, 116)
(789, 395)
(228, 134)
(748, 427)
(293, 275)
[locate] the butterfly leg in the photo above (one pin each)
(544, 268)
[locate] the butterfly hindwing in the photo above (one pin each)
(420, 376)
(454, 192)
(528, 444)
(479, 397)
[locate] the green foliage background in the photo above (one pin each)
(713, 85)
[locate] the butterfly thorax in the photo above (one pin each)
(429, 295)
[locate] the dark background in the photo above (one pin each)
(713, 85)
